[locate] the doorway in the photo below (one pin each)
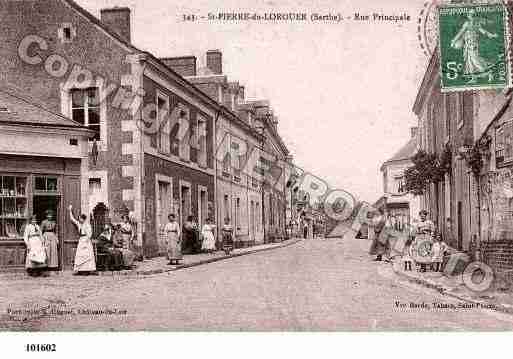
(185, 202)
(42, 204)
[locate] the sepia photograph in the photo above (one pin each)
(264, 166)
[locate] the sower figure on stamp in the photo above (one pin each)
(468, 38)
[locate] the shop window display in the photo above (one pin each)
(13, 206)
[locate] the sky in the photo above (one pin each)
(343, 93)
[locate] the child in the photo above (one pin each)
(407, 255)
(438, 250)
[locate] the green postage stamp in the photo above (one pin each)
(474, 47)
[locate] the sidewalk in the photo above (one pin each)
(498, 297)
(159, 264)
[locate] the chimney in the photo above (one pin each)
(413, 131)
(185, 65)
(117, 19)
(215, 61)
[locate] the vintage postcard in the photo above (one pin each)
(255, 166)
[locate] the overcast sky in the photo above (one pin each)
(343, 92)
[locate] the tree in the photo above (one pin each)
(427, 168)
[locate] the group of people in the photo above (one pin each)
(190, 240)
(115, 244)
(42, 245)
(424, 246)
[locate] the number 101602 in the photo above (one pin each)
(40, 347)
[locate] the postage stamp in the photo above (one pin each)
(473, 45)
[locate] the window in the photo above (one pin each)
(66, 32)
(193, 136)
(257, 216)
(95, 186)
(503, 143)
(85, 108)
(399, 184)
(46, 184)
(448, 115)
(226, 207)
(13, 206)
(460, 106)
(234, 154)
(164, 133)
(202, 133)
(185, 148)
(237, 213)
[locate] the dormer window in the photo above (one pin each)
(66, 32)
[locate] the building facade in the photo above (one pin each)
(251, 160)
(42, 158)
(401, 207)
(446, 120)
(153, 149)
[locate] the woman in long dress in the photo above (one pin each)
(209, 241)
(190, 236)
(51, 242)
(379, 244)
(127, 234)
(85, 262)
(174, 245)
(35, 262)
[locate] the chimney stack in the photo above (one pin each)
(215, 61)
(413, 131)
(185, 65)
(117, 19)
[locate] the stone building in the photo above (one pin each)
(447, 119)
(251, 158)
(43, 156)
(402, 207)
(153, 147)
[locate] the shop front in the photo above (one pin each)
(43, 161)
(36, 186)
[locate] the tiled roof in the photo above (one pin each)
(406, 152)
(21, 110)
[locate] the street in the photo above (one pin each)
(327, 284)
